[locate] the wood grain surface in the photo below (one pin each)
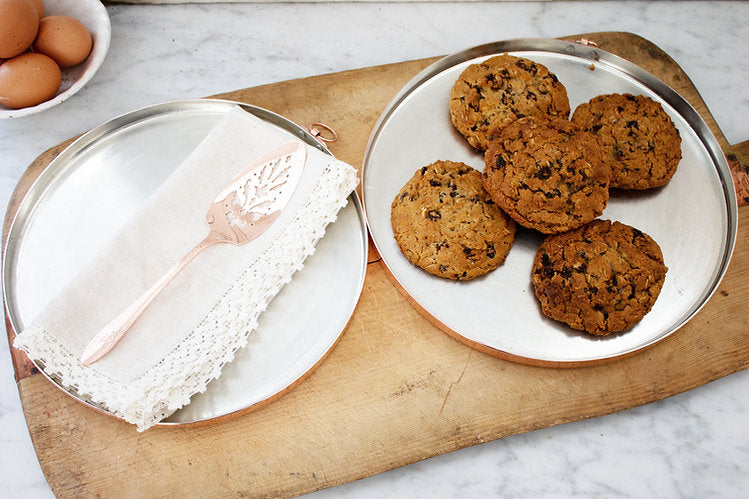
(395, 389)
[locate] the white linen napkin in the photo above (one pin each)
(195, 326)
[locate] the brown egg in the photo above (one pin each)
(19, 23)
(64, 39)
(28, 79)
(39, 7)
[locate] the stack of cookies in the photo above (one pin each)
(550, 173)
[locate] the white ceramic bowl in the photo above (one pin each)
(94, 16)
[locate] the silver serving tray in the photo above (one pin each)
(693, 218)
(96, 184)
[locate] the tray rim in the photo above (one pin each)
(49, 173)
(594, 54)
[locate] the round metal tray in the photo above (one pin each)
(693, 218)
(88, 192)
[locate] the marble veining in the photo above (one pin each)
(695, 444)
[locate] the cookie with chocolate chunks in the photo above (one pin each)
(491, 94)
(547, 174)
(600, 278)
(639, 140)
(445, 222)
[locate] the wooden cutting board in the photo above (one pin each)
(395, 389)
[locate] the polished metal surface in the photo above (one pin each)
(94, 186)
(693, 218)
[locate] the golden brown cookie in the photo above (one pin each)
(638, 139)
(600, 278)
(547, 174)
(444, 222)
(492, 94)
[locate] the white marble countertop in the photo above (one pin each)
(695, 444)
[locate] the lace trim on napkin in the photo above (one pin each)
(213, 343)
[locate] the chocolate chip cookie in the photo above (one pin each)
(547, 174)
(639, 141)
(492, 94)
(445, 222)
(600, 278)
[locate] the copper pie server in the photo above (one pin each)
(244, 209)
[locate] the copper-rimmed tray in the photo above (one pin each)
(103, 178)
(693, 218)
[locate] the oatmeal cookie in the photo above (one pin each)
(638, 139)
(492, 94)
(600, 278)
(547, 174)
(444, 222)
